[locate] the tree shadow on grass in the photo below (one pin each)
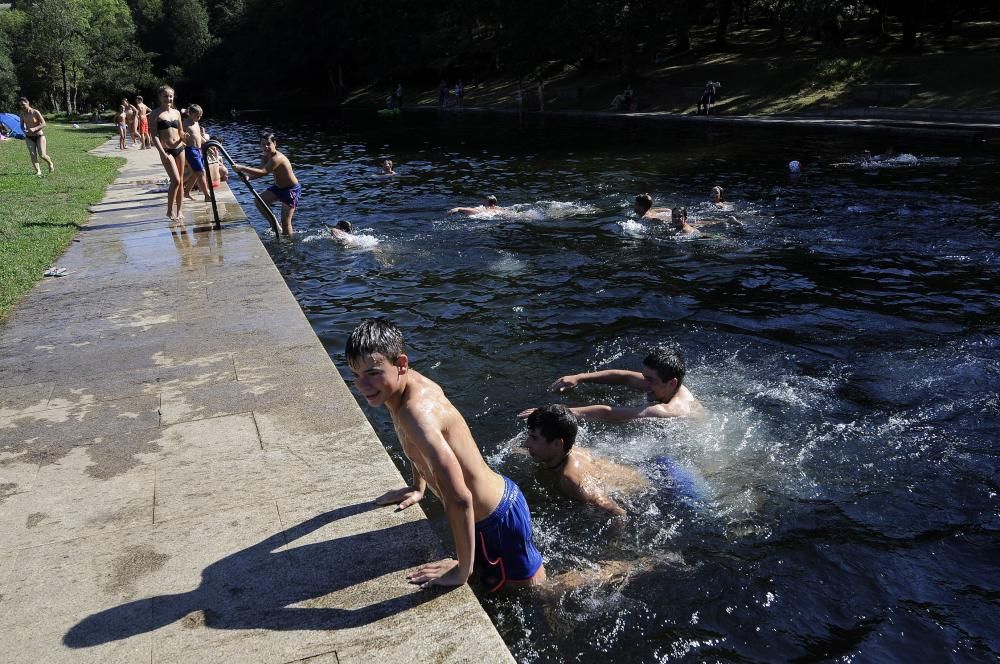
(255, 588)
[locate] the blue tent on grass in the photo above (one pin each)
(13, 123)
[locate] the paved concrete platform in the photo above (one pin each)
(184, 475)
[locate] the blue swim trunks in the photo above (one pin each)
(674, 482)
(287, 195)
(194, 159)
(505, 550)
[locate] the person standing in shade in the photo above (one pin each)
(33, 126)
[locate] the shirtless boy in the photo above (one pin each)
(33, 126)
(192, 151)
(286, 187)
(661, 378)
(487, 514)
(142, 112)
(489, 205)
(643, 208)
(581, 475)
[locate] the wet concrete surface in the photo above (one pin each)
(184, 475)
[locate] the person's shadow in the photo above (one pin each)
(254, 588)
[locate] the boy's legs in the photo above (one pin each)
(287, 211)
(43, 153)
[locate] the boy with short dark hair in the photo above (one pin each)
(192, 151)
(489, 519)
(286, 187)
(661, 378)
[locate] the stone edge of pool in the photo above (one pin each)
(184, 474)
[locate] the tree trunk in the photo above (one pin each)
(682, 23)
(912, 18)
(725, 8)
(65, 82)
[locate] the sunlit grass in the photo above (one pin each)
(40, 215)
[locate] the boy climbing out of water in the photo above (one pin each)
(488, 516)
(286, 187)
(583, 476)
(661, 378)
(33, 126)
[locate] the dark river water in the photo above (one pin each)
(844, 341)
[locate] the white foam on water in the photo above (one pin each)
(632, 227)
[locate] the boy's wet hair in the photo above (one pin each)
(645, 201)
(22, 99)
(717, 190)
(268, 137)
(555, 421)
(491, 200)
(678, 213)
(371, 336)
(195, 108)
(162, 89)
(344, 225)
(138, 98)
(667, 362)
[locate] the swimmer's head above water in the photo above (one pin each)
(490, 201)
(642, 204)
(678, 218)
(664, 370)
(344, 225)
(551, 434)
(715, 195)
(387, 167)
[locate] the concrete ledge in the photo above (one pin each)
(184, 475)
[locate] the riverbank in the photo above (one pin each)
(185, 475)
(39, 216)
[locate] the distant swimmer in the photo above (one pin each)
(286, 187)
(387, 168)
(715, 196)
(661, 378)
(342, 232)
(643, 207)
(490, 204)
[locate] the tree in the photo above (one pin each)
(57, 41)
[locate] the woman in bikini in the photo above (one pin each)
(169, 142)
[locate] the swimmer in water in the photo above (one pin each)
(661, 378)
(643, 208)
(342, 232)
(489, 205)
(387, 168)
(679, 221)
(581, 475)
(715, 196)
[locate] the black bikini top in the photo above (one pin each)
(166, 124)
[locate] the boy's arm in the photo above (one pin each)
(591, 495)
(622, 414)
(425, 434)
(253, 172)
(408, 495)
(606, 377)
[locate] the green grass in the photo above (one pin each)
(39, 216)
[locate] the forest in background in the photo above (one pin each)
(69, 55)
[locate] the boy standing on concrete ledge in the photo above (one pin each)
(487, 514)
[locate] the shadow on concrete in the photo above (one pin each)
(254, 588)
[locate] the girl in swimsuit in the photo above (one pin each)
(169, 142)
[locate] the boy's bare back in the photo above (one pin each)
(426, 420)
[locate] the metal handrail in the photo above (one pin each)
(261, 205)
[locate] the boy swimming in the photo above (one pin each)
(583, 476)
(488, 516)
(643, 208)
(286, 187)
(661, 378)
(489, 205)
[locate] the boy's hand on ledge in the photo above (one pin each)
(442, 573)
(402, 498)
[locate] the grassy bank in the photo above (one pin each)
(761, 76)
(40, 215)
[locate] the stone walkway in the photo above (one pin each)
(184, 475)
